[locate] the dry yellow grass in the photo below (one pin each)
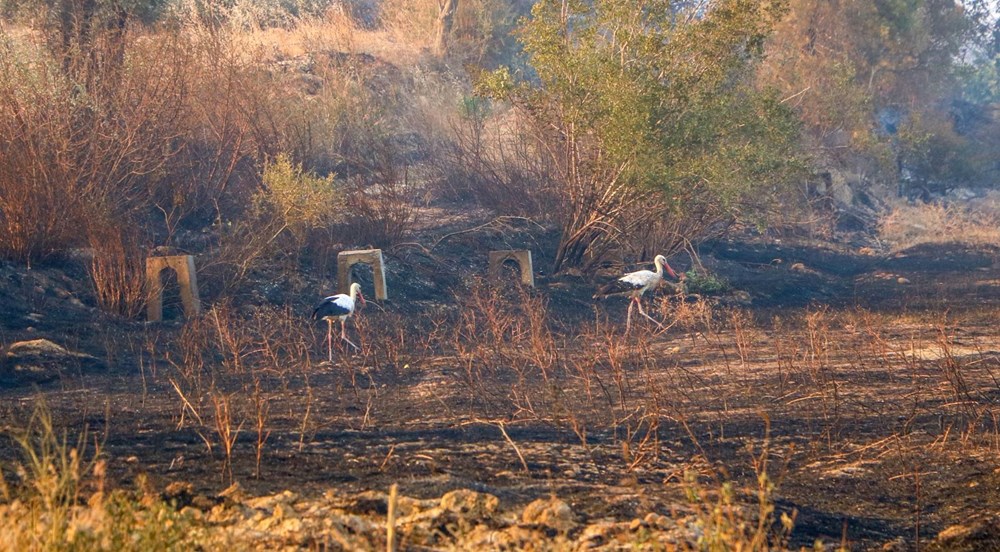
(974, 222)
(337, 32)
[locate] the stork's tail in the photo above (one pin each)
(616, 287)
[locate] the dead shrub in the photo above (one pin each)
(494, 160)
(39, 196)
(121, 150)
(117, 270)
(381, 214)
(506, 349)
(230, 369)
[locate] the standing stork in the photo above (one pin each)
(635, 284)
(338, 307)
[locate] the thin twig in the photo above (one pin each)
(501, 425)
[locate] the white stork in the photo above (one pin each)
(634, 284)
(338, 307)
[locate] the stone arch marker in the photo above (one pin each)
(183, 265)
(371, 257)
(523, 259)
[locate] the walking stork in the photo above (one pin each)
(338, 307)
(635, 284)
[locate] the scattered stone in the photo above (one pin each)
(902, 280)
(980, 534)
(268, 503)
(653, 519)
(598, 534)
(737, 298)
(470, 503)
(552, 513)
(40, 361)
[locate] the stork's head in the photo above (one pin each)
(660, 260)
(356, 292)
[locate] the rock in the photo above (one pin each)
(897, 545)
(470, 503)
(370, 502)
(180, 493)
(552, 513)
(598, 534)
(512, 538)
(40, 361)
(270, 502)
(657, 520)
(980, 534)
(738, 298)
(902, 280)
(205, 503)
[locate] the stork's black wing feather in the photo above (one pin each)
(616, 287)
(332, 306)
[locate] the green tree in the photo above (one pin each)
(874, 81)
(647, 111)
(86, 36)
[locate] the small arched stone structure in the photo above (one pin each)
(523, 259)
(372, 257)
(187, 278)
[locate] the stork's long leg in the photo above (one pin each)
(642, 311)
(343, 335)
(329, 339)
(628, 318)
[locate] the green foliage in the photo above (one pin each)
(475, 108)
(301, 200)
(704, 283)
(844, 66)
(652, 103)
(981, 80)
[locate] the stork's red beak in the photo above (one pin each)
(670, 271)
(362, 297)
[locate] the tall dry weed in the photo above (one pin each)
(117, 271)
(973, 222)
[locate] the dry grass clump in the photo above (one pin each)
(58, 499)
(973, 222)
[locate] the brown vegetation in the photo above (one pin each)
(792, 393)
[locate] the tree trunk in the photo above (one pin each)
(442, 30)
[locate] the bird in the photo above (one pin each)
(635, 284)
(338, 307)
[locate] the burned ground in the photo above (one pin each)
(863, 385)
